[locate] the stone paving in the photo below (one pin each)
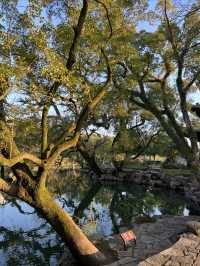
(159, 238)
(185, 252)
(166, 242)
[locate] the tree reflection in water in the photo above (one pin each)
(103, 209)
(38, 246)
(117, 204)
(137, 201)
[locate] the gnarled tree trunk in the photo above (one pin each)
(83, 249)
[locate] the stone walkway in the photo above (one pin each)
(185, 252)
(159, 238)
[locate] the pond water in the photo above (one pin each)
(26, 239)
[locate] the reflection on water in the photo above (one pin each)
(26, 239)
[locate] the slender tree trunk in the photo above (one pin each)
(82, 249)
(180, 143)
(90, 159)
(175, 133)
(44, 140)
(2, 172)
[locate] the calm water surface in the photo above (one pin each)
(26, 239)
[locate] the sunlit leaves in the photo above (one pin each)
(55, 70)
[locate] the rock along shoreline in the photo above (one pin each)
(183, 183)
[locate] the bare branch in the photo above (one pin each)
(57, 110)
(15, 191)
(191, 12)
(22, 156)
(139, 103)
(108, 18)
(146, 146)
(187, 87)
(153, 80)
(195, 45)
(7, 188)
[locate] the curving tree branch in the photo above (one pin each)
(90, 106)
(22, 156)
(108, 18)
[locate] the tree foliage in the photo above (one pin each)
(60, 59)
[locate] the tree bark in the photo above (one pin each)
(90, 159)
(80, 246)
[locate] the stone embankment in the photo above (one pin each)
(156, 178)
(166, 242)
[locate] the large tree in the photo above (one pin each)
(161, 71)
(34, 64)
(54, 57)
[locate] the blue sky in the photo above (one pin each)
(146, 25)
